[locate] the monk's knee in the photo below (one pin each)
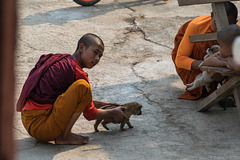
(83, 88)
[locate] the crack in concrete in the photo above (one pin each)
(169, 119)
(136, 28)
(30, 45)
(19, 130)
(145, 38)
(31, 147)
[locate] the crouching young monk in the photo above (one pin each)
(57, 91)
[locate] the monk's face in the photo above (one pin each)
(91, 56)
(231, 20)
(225, 49)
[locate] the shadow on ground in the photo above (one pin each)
(64, 15)
(168, 128)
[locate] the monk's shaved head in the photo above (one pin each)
(228, 34)
(232, 12)
(89, 39)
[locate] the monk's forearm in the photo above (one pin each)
(195, 64)
(184, 62)
(98, 104)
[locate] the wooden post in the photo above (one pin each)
(222, 92)
(236, 93)
(193, 2)
(203, 37)
(220, 15)
(7, 49)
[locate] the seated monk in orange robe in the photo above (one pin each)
(187, 56)
(57, 91)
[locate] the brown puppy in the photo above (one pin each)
(131, 108)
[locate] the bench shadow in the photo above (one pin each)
(62, 16)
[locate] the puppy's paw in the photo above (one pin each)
(208, 88)
(122, 129)
(189, 84)
(191, 88)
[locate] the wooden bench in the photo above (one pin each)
(219, 14)
(232, 86)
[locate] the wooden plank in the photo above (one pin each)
(203, 37)
(219, 94)
(224, 71)
(236, 93)
(193, 2)
(8, 19)
(220, 15)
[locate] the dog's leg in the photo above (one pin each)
(104, 124)
(121, 126)
(191, 86)
(207, 88)
(129, 125)
(207, 79)
(196, 83)
(96, 125)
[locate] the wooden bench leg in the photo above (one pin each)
(222, 92)
(236, 93)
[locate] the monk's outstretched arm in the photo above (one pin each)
(195, 64)
(99, 104)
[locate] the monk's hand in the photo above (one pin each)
(220, 56)
(118, 115)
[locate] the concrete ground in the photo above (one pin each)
(136, 66)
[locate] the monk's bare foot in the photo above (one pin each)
(84, 137)
(72, 138)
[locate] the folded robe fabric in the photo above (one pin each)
(49, 88)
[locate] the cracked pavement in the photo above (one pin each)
(136, 66)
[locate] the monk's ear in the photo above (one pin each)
(81, 47)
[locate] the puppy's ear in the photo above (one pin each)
(208, 50)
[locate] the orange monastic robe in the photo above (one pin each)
(185, 52)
